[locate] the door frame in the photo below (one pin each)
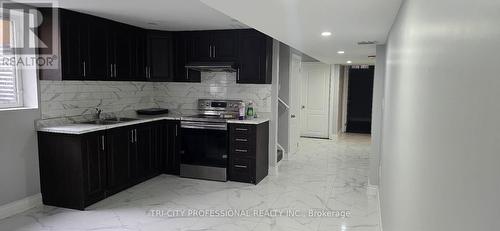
(291, 103)
(344, 98)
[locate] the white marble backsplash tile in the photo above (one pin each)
(75, 99)
(214, 85)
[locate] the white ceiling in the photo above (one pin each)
(299, 24)
(166, 14)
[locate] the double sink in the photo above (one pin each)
(109, 121)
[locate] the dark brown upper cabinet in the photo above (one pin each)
(80, 43)
(89, 47)
(121, 39)
(255, 57)
(94, 48)
(160, 56)
(181, 42)
(224, 45)
(140, 55)
(205, 46)
(72, 46)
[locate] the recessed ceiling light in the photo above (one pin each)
(326, 33)
(340, 52)
(349, 61)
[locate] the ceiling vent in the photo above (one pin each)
(367, 42)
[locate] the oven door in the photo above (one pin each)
(204, 150)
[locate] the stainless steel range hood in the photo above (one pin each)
(212, 66)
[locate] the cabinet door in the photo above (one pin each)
(120, 44)
(254, 57)
(160, 56)
(94, 165)
(71, 46)
(199, 47)
(224, 45)
(96, 60)
(119, 150)
(181, 59)
(144, 151)
(157, 149)
(171, 146)
(140, 55)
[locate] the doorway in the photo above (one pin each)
(315, 97)
(359, 99)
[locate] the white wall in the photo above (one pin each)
(19, 174)
(441, 128)
(273, 123)
(377, 107)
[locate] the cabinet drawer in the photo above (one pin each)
(242, 170)
(242, 151)
(242, 146)
(242, 131)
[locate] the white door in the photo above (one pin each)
(315, 98)
(294, 127)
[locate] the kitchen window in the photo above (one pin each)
(10, 75)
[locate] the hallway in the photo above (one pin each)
(322, 175)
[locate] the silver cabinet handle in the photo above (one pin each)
(135, 135)
(115, 69)
(210, 51)
(102, 143)
(176, 130)
(238, 74)
(131, 136)
(242, 140)
(111, 70)
(241, 150)
(241, 129)
(84, 70)
(240, 166)
(146, 72)
(214, 51)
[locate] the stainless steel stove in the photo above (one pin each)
(204, 139)
(215, 110)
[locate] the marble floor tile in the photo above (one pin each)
(324, 175)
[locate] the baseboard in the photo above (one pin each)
(373, 190)
(20, 206)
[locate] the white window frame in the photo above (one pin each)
(18, 73)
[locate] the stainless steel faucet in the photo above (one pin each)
(98, 113)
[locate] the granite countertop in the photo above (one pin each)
(81, 128)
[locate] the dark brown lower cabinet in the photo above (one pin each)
(72, 169)
(120, 152)
(248, 152)
(79, 170)
(148, 150)
(171, 135)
